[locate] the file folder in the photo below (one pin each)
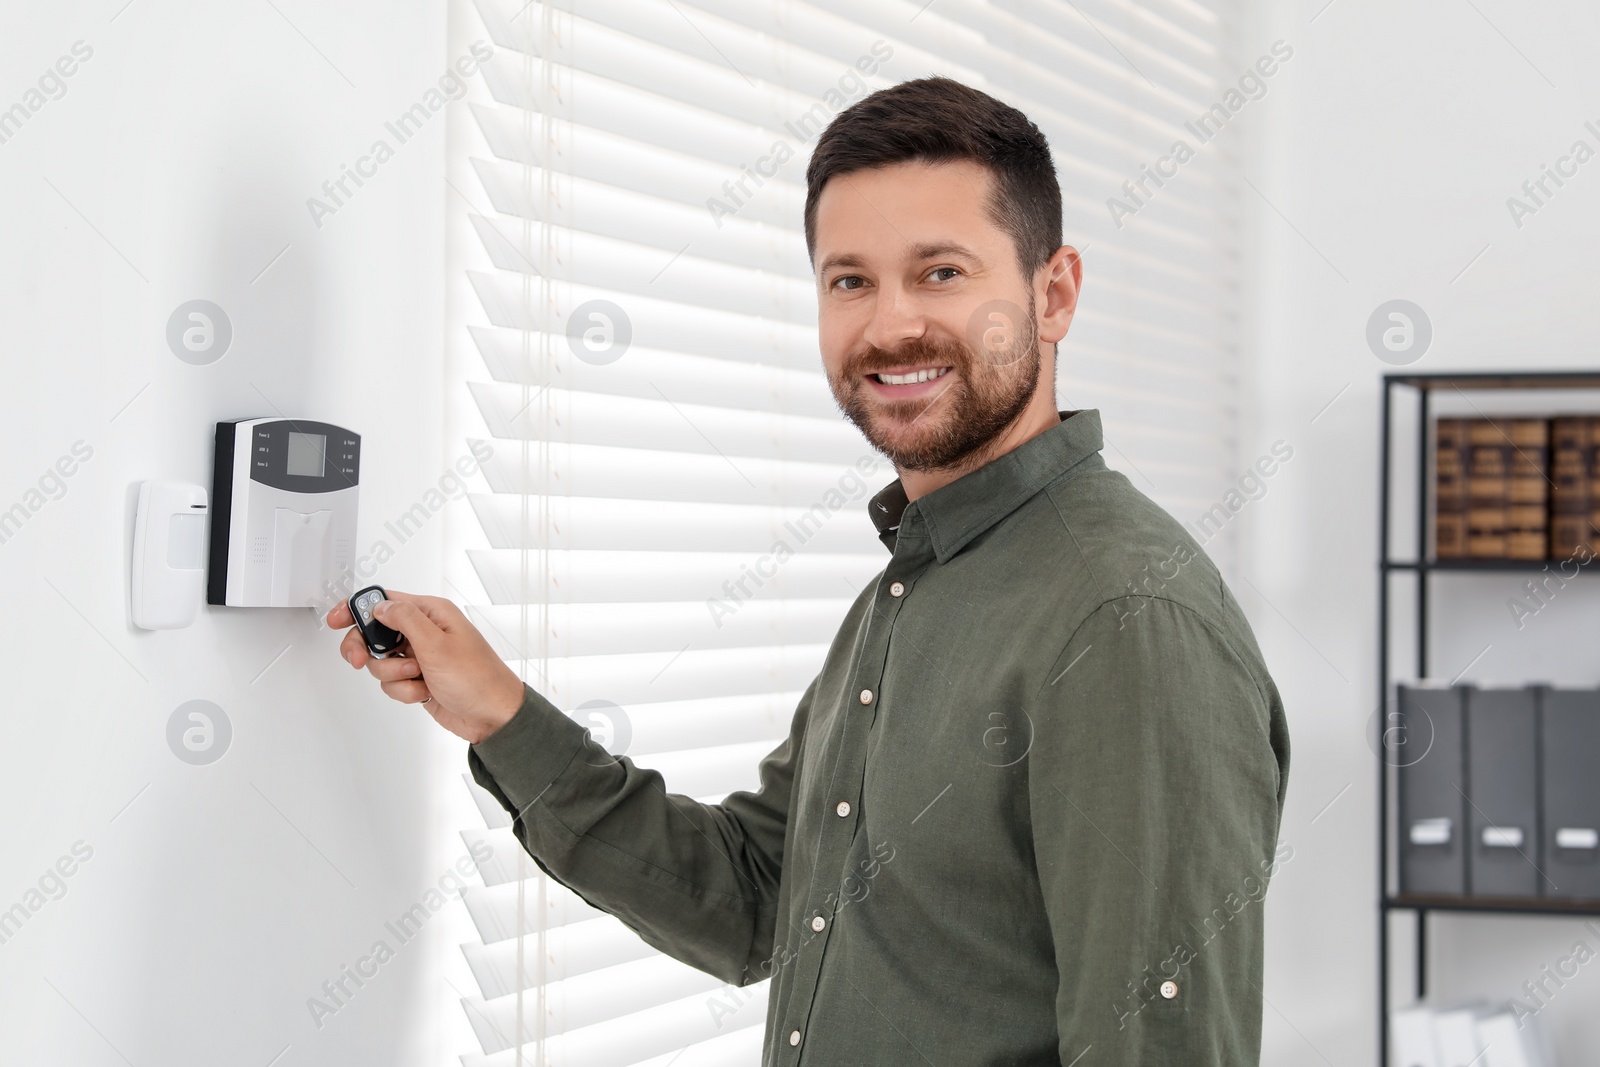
(1508, 1042)
(1412, 1030)
(1571, 786)
(1424, 740)
(1503, 793)
(1455, 1035)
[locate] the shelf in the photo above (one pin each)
(1487, 566)
(1497, 905)
(1423, 393)
(1534, 380)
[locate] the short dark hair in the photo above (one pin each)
(940, 120)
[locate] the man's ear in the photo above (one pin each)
(1056, 287)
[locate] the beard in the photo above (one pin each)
(948, 429)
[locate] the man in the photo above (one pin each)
(1027, 810)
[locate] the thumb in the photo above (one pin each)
(412, 622)
(439, 611)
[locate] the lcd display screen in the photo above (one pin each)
(305, 454)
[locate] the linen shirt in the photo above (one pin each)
(1026, 812)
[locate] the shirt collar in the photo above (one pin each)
(956, 513)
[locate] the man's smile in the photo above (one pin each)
(905, 382)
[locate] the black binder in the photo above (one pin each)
(1503, 792)
(1570, 747)
(1425, 740)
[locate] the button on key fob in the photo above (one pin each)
(382, 641)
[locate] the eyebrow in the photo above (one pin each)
(918, 252)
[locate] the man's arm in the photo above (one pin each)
(1154, 788)
(697, 881)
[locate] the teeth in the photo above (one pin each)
(912, 378)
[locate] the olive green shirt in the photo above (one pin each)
(1026, 813)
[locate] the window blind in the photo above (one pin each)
(673, 523)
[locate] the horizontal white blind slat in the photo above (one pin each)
(575, 948)
(647, 474)
(628, 268)
(674, 674)
(643, 202)
(718, 382)
(494, 909)
(673, 424)
(596, 997)
(615, 523)
(659, 323)
(735, 1043)
(583, 576)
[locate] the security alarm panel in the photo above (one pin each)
(283, 511)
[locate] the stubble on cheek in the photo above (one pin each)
(947, 427)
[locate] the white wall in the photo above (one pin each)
(177, 165)
(1390, 144)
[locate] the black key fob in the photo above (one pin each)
(382, 641)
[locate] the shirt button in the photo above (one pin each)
(794, 1037)
(866, 696)
(1169, 990)
(897, 589)
(819, 922)
(843, 809)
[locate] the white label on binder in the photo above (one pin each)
(1430, 832)
(1502, 837)
(1573, 837)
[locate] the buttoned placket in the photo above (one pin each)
(864, 700)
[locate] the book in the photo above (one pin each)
(1450, 489)
(1488, 487)
(1527, 488)
(1594, 483)
(1572, 457)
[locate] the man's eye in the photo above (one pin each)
(849, 281)
(944, 274)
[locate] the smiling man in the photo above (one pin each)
(1027, 811)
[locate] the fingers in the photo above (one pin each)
(410, 619)
(394, 669)
(354, 649)
(339, 616)
(441, 612)
(408, 691)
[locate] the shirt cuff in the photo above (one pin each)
(519, 761)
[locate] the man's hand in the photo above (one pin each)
(445, 664)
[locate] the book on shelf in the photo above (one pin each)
(1488, 485)
(1528, 489)
(1492, 482)
(1572, 476)
(1450, 489)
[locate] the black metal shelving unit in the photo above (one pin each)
(1422, 388)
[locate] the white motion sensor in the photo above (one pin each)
(169, 555)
